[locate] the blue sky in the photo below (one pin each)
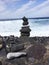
(20, 8)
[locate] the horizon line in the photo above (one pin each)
(10, 19)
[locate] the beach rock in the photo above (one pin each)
(36, 51)
(15, 55)
(15, 48)
(0, 63)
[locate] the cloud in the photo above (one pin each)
(40, 10)
(25, 6)
(2, 6)
(16, 13)
(26, 9)
(9, 0)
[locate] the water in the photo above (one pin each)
(39, 27)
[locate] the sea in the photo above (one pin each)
(39, 27)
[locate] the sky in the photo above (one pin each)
(19, 9)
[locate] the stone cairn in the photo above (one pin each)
(25, 31)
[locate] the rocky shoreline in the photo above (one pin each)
(36, 48)
(24, 44)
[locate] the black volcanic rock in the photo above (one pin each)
(25, 31)
(0, 63)
(15, 48)
(25, 21)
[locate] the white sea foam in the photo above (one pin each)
(37, 28)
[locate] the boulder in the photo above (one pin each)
(36, 51)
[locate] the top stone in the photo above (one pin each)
(25, 21)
